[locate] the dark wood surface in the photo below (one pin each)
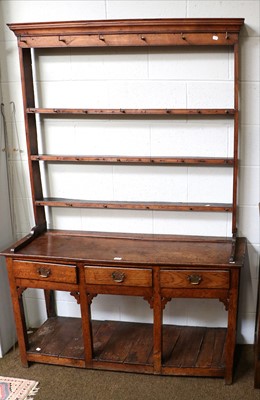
(136, 160)
(59, 337)
(142, 32)
(154, 267)
(158, 268)
(135, 32)
(129, 25)
(140, 112)
(121, 249)
(131, 343)
(134, 205)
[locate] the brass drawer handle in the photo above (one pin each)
(194, 279)
(118, 277)
(44, 272)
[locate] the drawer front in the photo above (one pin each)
(118, 276)
(44, 271)
(199, 279)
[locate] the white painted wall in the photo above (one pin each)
(141, 78)
(7, 328)
(7, 331)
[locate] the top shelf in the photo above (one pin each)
(130, 111)
(132, 32)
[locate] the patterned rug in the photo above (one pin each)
(17, 389)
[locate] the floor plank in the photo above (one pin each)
(131, 343)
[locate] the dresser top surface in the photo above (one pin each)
(131, 249)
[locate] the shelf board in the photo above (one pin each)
(210, 161)
(131, 343)
(60, 337)
(134, 205)
(131, 111)
(191, 347)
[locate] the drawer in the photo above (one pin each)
(45, 271)
(194, 279)
(118, 276)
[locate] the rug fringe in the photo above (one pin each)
(33, 392)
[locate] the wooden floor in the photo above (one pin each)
(204, 347)
(59, 337)
(124, 342)
(131, 343)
